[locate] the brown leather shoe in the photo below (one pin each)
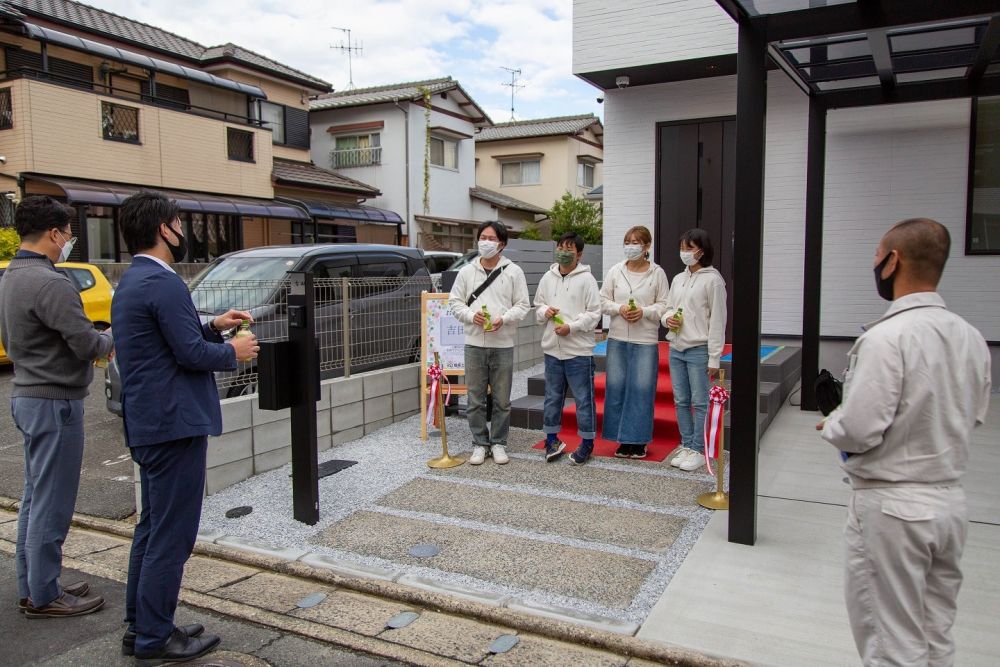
(79, 589)
(65, 606)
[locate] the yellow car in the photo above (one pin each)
(95, 292)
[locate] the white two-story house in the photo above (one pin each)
(415, 143)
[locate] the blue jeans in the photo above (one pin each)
(578, 372)
(689, 375)
(53, 454)
(632, 371)
(491, 367)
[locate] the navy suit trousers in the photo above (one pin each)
(173, 485)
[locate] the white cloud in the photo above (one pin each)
(403, 40)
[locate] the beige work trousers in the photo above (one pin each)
(904, 545)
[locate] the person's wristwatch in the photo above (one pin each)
(211, 325)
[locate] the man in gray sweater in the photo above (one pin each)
(53, 346)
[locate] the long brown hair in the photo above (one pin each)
(642, 235)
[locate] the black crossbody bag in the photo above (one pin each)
(486, 283)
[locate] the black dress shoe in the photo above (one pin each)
(78, 590)
(128, 641)
(180, 648)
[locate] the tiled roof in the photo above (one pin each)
(503, 201)
(381, 94)
(596, 193)
(541, 127)
(99, 21)
(307, 174)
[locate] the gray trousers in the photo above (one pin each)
(902, 578)
(491, 367)
(53, 454)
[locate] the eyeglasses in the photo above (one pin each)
(71, 239)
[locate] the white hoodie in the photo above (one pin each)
(702, 295)
(650, 293)
(579, 304)
(506, 298)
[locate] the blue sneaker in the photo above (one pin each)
(574, 460)
(554, 450)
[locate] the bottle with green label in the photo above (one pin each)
(488, 324)
(243, 330)
(679, 316)
(558, 320)
(631, 304)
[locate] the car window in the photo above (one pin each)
(84, 278)
(334, 268)
(242, 283)
(247, 268)
(383, 269)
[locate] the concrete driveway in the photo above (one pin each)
(106, 487)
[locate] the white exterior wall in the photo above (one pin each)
(883, 165)
(449, 189)
(624, 33)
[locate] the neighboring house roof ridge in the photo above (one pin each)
(541, 127)
(552, 119)
(389, 93)
(305, 75)
(387, 87)
(504, 201)
(299, 172)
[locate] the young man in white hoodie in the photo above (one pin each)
(568, 306)
(490, 296)
(696, 338)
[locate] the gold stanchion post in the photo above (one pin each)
(719, 499)
(445, 460)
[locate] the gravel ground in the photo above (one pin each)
(391, 457)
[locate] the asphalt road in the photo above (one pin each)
(106, 486)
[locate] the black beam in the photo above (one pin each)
(302, 335)
(987, 48)
(751, 106)
(878, 42)
(813, 261)
(864, 16)
(912, 92)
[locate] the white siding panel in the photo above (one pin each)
(608, 34)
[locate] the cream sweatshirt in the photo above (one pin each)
(650, 293)
(579, 304)
(506, 298)
(702, 295)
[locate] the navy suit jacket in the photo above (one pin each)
(166, 358)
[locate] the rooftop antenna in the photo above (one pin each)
(350, 49)
(513, 85)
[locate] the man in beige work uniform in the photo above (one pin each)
(918, 384)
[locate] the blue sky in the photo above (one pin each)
(403, 40)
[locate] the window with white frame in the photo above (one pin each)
(444, 152)
(526, 172)
(356, 150)
(585, 175)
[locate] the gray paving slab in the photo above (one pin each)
(116, 559)
(207, 574)
(291, 651)
(274, 592)
(609, 579)
(580, 520)
(540, 652)
(358, 613)
(80, 543)
(449, 636)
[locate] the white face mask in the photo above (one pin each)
(633, 251)
(687, 256)
(488, 249)
(66, 250)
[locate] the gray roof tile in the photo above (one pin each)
(540, 127)
(308, 174)
(503, 201)
(381, 94)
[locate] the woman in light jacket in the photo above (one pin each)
(634, 295)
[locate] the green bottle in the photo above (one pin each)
(488, 324)
(558, 320)
(679, 316)
(631, 303)
(243, 330)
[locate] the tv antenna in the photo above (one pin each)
(350, 49)
(513, 85)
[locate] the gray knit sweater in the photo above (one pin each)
(46, 333)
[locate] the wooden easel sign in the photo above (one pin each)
(441, 333)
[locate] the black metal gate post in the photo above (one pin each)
(751, 107)
(302, 336)
(813, 263)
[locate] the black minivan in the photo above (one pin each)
(384, 311)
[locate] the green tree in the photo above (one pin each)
(576, 214)
(9, 242)
(531, 233)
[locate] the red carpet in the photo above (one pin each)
(666, 437)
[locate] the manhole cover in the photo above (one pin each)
(237, 512)
(402, 620)
(311, 600)
(425, 551)
(503, 643)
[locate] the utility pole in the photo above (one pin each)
(350, 49)
(513, 85)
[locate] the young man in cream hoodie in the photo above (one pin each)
(568, 306)
(490, 316)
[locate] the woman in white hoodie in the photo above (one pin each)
(634, 294)
(696, 342)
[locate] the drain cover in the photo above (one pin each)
(503, 643)
(402, 620)
(311, 600)
(237, 512)
(425, 550)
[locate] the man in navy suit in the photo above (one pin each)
(170, 403)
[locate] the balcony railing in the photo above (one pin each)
(356, 157)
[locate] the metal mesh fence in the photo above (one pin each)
(120, 122)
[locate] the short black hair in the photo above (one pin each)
(571, 236)
(140, 218)
(498, 227)
(700, 239)
(924, 243)
(40, 213)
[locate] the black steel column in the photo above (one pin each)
(302, 336)
(813, 262)
(751, 106)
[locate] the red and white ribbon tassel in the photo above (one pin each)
(717, 398)
(435, 373)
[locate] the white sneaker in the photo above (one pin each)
(692, 461)
(499, 454)
(478, 455)
(678, 456)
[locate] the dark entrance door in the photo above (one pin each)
(696, 187)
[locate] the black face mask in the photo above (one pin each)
(884, 285)
(178, 251)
